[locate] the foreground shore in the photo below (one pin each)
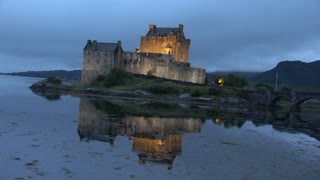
(47, 89)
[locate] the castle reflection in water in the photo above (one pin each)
(156, 130)
(157, 139)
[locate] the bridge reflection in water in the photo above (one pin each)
(156, 131)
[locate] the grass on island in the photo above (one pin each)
(121, 80)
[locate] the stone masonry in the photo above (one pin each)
(163, 52)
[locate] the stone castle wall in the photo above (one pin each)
(179, 47)
(96, 63)
(162, 66)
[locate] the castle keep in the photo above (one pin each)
(163, 52)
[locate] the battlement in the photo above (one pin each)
(166, 41)
(163, 52)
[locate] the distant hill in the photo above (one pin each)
(63, 74)
(294, 74)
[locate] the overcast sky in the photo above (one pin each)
(245, 35)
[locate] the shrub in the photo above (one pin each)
(158, 89)
(234, 81)
(115, 78)
(54, 80)
(262, 86)
(214, 91)
(196, 93)
(243, 95)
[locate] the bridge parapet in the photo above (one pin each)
(269, 98)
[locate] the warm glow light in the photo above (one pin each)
(160, 142)
(168, 48)
(217, 121)
(220, 81)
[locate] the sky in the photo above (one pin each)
(226, 35)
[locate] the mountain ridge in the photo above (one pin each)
(293, 74)
(62, 74)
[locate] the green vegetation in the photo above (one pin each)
(121, 80)
(115, 78)
(263, 87)
(235, 81)
(54, 80)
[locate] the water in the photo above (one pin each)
(48, 136)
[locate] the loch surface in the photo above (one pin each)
(53, 136)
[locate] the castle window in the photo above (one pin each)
(97, 61)
(98, 54)
(105, 53)
(105, 61)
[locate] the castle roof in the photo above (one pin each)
(97, 46)
(162, 31)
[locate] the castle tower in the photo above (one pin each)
(166, 41)
(98, 59)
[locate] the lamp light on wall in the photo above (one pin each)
(168, 48)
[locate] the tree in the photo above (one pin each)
(262, 86)
(234, 81)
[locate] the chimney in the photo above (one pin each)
(119, 43)
(181, 27)
(88, 41)
(94, 44)
(152, 27)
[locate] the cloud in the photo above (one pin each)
(225, 35)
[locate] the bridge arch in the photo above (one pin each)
(297, 106)
(302, 101)
(276, 99)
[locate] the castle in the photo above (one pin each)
(163, 52)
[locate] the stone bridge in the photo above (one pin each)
(270, 98)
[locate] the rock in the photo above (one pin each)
(46, 85)
(141, 93)
(185, 96)
(137, 93)
(119, 92)
(203, 99)
(39, 85)
(184, 105)
(232, 100)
